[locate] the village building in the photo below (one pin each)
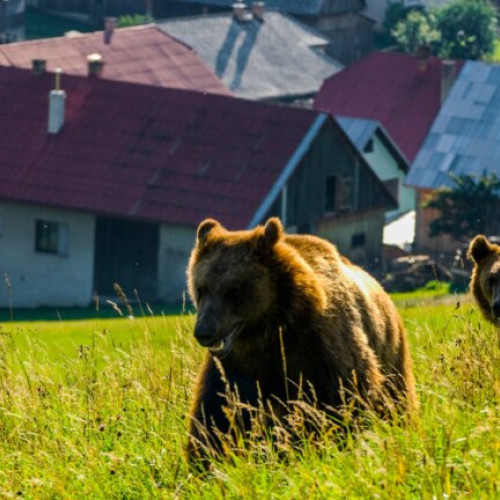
(105, 182)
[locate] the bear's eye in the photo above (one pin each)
(234, 292)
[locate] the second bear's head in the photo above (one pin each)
(248, 283)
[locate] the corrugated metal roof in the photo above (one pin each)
(387, 87)
(142, 54)
(359, 131)
(464, 139)
(293, 6)
(150, 153)
(258, 60)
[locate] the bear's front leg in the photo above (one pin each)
(213, 416)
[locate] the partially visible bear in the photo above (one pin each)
(485, 281)
(270, 303)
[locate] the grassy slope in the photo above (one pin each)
(95, 409)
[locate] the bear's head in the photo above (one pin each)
(246, 284)
(485, 282)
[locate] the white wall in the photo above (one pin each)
(385, 166)
(175, 247)
(42, 279)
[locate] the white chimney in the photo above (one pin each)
(239, 12)
(258, 10)
(57, 105)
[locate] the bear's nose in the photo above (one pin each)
(205, 333)
(496, 308)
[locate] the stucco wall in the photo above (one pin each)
(341, 230)
(43, 279)
(385, 166)
(175, 247)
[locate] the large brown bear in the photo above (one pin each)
(485, 281)
(271, 304)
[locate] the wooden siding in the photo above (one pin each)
(332, 154)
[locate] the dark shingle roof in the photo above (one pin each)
(304, 7)
(258, 60)
(387, 87)
(142, 54)
(464, 138)
(144, 152)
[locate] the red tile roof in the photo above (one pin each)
(387, 87)
(151, 153)
(142, 54)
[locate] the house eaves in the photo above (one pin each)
(289, 169)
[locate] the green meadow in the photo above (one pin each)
(96, 409)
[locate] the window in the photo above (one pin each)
(369, 147)
(330, 193)
(392, 186)
(358, 240)
(51, 237)
(346, 193)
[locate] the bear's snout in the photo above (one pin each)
(205, 331)
(495, 307)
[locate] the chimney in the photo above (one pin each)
(240, 13)
(95, 64)
(258, 10)
(57, 104)
(38, 66)
(448, 75)
(109, 29)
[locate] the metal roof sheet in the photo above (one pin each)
(142, 54)
(390, 88)
(293, 6)
(467, 128)
(258, 60)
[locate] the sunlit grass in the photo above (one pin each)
(96, 409)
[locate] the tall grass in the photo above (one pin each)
(96, 409)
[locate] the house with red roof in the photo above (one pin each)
(105, 182)
(402, 92)
(140, 54)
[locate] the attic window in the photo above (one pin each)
(330, 193)
(358, 240)
(51, 237)
(369, 147)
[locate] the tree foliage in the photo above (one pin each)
(466, 209)
(468, 29)
(417, 30)
(461, 29)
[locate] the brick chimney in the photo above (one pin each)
(57, 106)
(38, 66)
(109, 29)
(448, 75)
(258, 10)
(95, 64)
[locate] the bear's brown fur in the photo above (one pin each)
(485, 280)
(269, 302)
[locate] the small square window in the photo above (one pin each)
(51, 237)
(358, 240)
(369, 147)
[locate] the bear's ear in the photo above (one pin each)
(272, 232)
(205, 228)
(479, 248)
